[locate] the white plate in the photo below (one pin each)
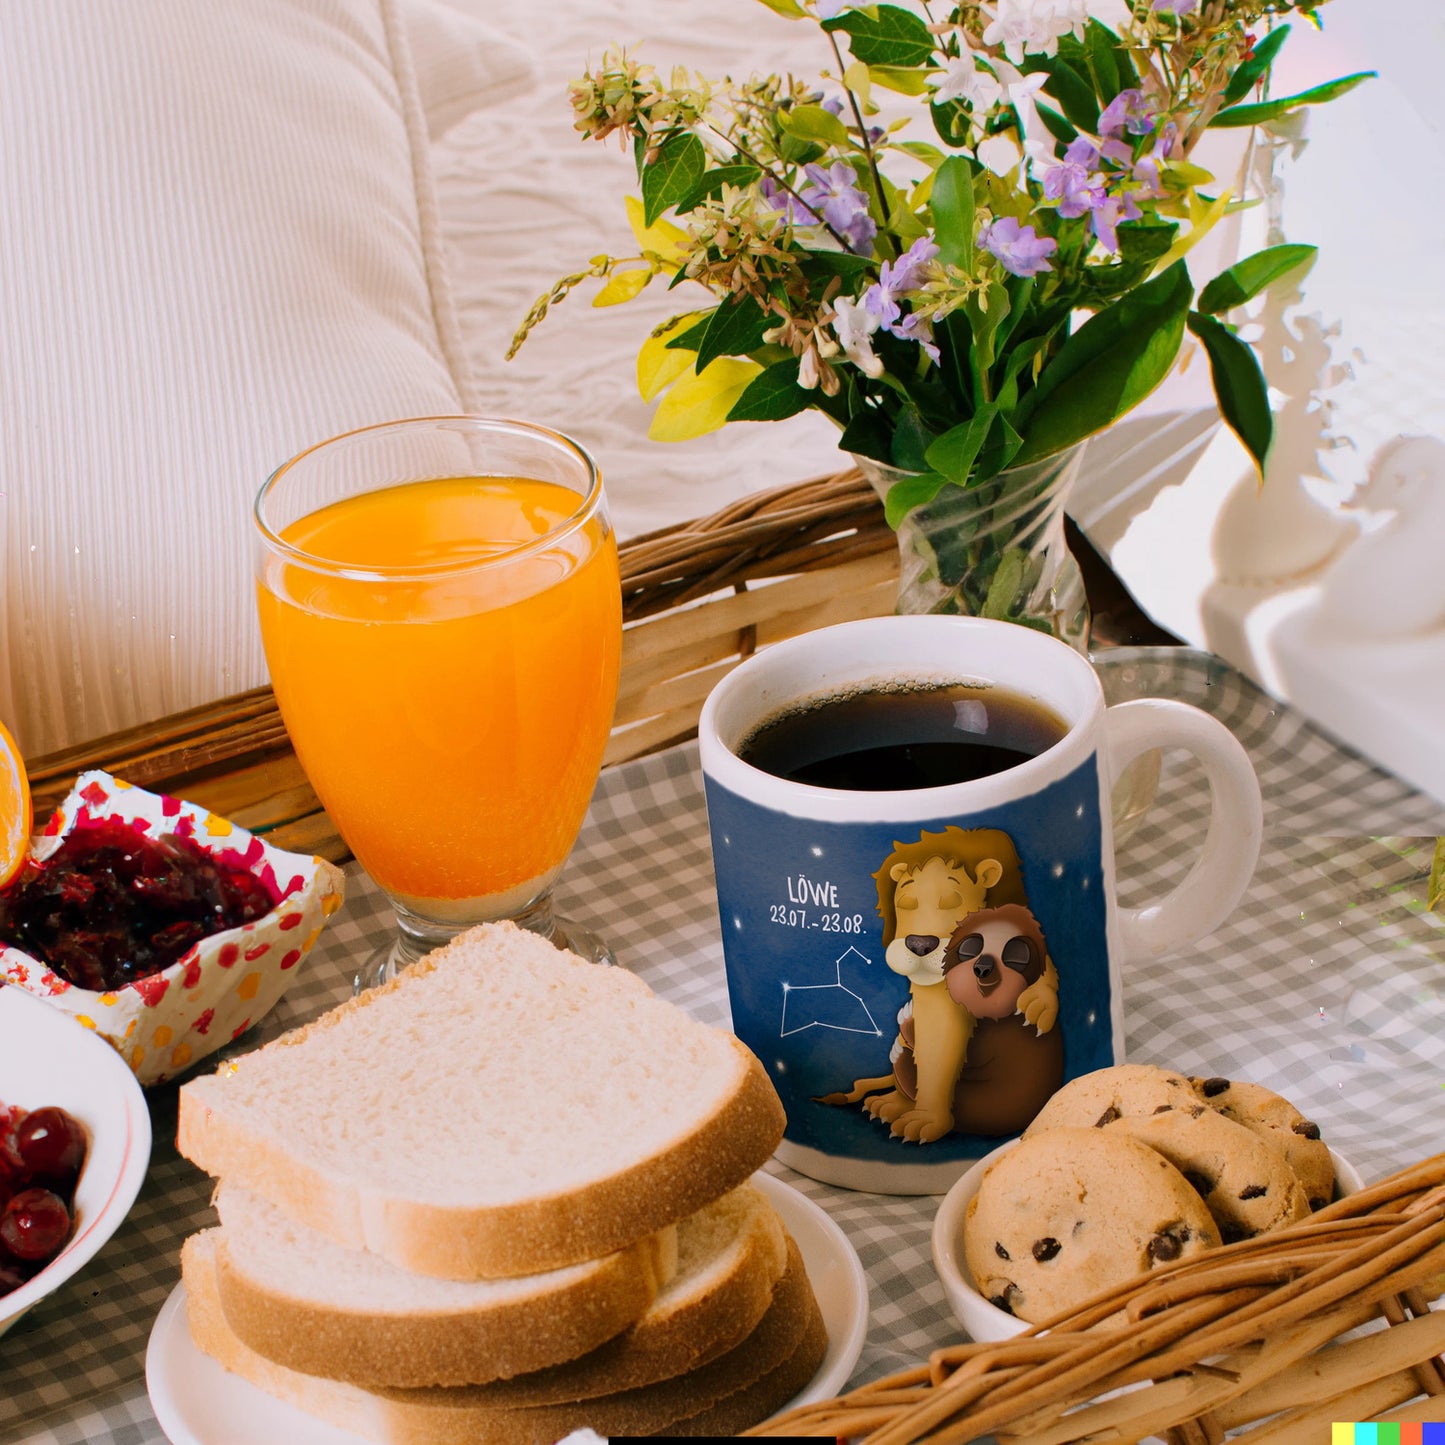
(48, 1058)
(199, 1403)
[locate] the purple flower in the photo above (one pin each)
(1131, 111)
(910, 270)
(1020, 249)
(1108, 216)
(1082, 152)
(1176, 7)
(917, 328)
(779, 198)
(835, 195)
(1074, 187)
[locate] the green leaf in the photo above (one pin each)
(1247, 278)
(1238, 115)
(710, 183)
(1239, 385)
(734, 329)
(1056, 125)
(773, 395)
(691, 339)
(813, 123)
(911, 440)
(1099, 53)
(922, 150)
(912, 491)
(885, 35)
(901, 79)
(672, 174)
(1109, 365)
(1005, 585)
(1068, 86)
(954, 453)
(1252, 71)
(951, 202)
(1435, 896)
(868, 434)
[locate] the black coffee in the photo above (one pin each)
(909, 736)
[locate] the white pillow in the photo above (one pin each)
(218, 245)
(460, 64)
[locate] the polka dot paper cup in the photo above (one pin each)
(162, 1024)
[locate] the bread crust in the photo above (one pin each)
(493, 1240)
(740, 1388)
(444, 1347)
(707, 1325)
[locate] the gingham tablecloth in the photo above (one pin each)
(1328, 984)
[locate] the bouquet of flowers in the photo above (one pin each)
(966, 244)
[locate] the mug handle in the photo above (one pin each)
(1215, 884)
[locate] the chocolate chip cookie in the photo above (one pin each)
(1245, 1182)
(1125, 1090)
(1278, 1122)
(1069, 1212)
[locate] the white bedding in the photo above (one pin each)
(525, 200)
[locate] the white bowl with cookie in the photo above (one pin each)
(1127, 1169)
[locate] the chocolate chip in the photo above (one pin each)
(1196, 1110)
(1164, 1109)
(1203, 1185)
(1006, 1298)
(1045, 1249)
(1254, 1191)
(1232, 1233)
(1166, 1245)
(1309, 1129)
(999, 1250)
(1211, 1087)
(1107, 1117)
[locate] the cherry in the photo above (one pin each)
(34, 1224)
(51, 1145)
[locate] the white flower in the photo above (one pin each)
(1033, 26)
(966, 79)
(854, 325)
(999, 153)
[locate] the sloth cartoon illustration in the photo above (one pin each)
(1011, 1062)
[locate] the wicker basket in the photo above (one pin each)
(697, 598)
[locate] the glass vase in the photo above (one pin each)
(994, 548)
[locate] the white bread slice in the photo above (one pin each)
(730, 1256)
(312, 1305)
(737, 1389)
(500, 1108)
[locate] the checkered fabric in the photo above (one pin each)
(1327, 984)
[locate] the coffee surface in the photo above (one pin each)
(897, 738)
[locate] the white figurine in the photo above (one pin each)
(1390, 583)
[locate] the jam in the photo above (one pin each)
(112, 904)
(41, 1154)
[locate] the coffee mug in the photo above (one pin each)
(918, 962)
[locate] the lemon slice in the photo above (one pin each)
(15, 813)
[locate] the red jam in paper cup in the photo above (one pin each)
(166, 929)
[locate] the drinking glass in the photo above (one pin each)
(441, 612)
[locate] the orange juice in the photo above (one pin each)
(450, 698)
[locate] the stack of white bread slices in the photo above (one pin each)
(501, 1198)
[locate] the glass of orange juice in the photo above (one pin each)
(441, 612)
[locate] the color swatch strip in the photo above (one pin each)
(1383, 1433)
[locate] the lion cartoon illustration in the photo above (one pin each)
(925, 889)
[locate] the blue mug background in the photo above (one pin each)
(810, 991)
